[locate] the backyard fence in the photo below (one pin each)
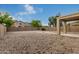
(30, 28)
(27, 28)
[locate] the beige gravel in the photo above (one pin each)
(38, 42)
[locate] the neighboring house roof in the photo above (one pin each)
(21, 23)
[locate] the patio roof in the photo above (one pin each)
(71, 17)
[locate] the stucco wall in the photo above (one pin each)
(2, 31)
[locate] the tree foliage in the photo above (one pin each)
(6, 19)
(36, 23)
(53, 20)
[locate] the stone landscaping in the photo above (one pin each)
(38, 42)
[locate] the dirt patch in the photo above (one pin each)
(38, 42)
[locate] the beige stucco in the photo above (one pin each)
(65, 19)
(2, 31)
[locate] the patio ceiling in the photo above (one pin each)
(71, 17)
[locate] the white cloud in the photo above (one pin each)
(22, 13)
(29, 9)
(18, 17)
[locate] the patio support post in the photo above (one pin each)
(64, 27)
(58, 26)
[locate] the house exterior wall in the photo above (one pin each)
(69, 29)
(20, 24)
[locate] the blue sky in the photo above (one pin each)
(28, 12)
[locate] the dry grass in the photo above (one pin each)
(38, 42)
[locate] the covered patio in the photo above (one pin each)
(64, 20)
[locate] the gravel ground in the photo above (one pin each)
(38, 42)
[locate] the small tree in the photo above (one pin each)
(8, 22)
(36, 23)
(53, 20)
(6, 19)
